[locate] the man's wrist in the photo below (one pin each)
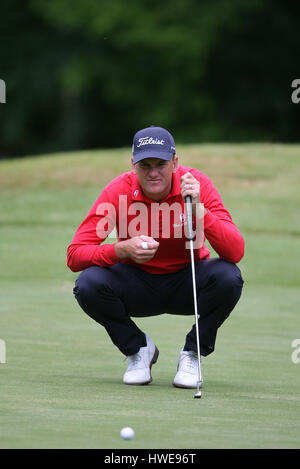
(199, 210)
(120, 249)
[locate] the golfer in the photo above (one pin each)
(147, 272)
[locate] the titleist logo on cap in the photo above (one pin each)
(153, 142)
(149, 141)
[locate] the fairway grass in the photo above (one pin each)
(61, 385)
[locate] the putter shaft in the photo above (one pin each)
(190, 236)
(196, 315)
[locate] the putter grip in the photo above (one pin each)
(188, 202)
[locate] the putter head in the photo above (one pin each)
(198, 394)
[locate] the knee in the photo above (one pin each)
(228, 276)
(90, 282)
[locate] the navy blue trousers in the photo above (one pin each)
(113, 295)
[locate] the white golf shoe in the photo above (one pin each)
(139, 365)
(187, 370)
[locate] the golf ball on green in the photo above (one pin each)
(127, 433)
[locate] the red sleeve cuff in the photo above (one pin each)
(105, 255)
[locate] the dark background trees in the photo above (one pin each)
(88, 74)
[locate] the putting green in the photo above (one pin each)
(61, 385)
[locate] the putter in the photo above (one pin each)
(188, 201)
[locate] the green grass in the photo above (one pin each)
(61, 386)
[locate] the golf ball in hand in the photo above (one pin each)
(127, 433)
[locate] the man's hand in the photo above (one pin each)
(191, 186)
(139, 249)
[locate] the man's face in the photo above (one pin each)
(155, 176)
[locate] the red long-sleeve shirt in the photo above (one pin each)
(116, 207)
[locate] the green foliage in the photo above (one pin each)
(86, 74)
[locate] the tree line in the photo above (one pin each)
(89, 74)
